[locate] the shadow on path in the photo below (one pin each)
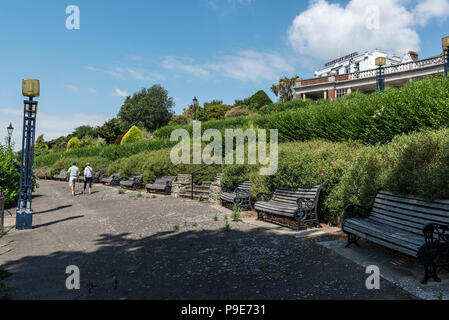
(54, 209)
(57, 221)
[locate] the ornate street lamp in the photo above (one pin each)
(195, 106)
(10, 131)
(24, 213)
(380, 73)
(445, 43)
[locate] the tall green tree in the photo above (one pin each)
(149, 108)
(40, 147)
(111, 130)
(285, 88)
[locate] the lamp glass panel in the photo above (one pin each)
(445, 42)
(381, 61)
(30, 88)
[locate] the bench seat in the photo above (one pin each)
(407, 224)
(300, 204)
(162, 184)
(241, 196)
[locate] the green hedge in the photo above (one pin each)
(111, 152)
(410, 164)
(157, 163)
(95, 162)
(9, 175)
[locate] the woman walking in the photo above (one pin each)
(88, 176)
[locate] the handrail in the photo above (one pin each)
(195, 171)
(411, 65)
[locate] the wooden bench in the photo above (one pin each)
(61, 176)
(300, 204)
(407, 224)
(133, 182)
(241, 196)
(161, 184)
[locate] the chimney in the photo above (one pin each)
(413, 55)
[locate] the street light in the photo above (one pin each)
(380, 73)
(445, 44)
(195, 106)
(10, 131)
(24, 213)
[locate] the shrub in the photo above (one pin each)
(258, 100)
(73, 143)
(9, 175)
(217, 112)
(239, 112)
(134, 134)
(178, 119)
(95, 162)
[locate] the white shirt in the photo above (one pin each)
(88, 172)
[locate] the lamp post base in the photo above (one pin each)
(24, 219)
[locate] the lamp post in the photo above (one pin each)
(10, 131)
(195, 106)
(380, 73)
(24, 213)
(445, 42)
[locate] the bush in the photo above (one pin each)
(217, 112)
(258, 100)
(158, 163)
(239, 112)
(284, 106)
(9, 175)
(73, 143)
(134, 134)
(96, 163)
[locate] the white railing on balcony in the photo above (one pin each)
(412, 65)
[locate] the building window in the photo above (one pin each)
(341, 93)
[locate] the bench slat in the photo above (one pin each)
(401, 237)
(419, 206)
(382, 242)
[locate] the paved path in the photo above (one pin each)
(128, 248)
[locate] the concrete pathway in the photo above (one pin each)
(131, 246)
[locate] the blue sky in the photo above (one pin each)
(212, 49)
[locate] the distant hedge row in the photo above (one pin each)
(110, 152)
(368, 118)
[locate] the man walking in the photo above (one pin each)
(88, 176)
(74, 173)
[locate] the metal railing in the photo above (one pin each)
(412, 65)
(2, 207)
(193, 175)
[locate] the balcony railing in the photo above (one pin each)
(412, 65)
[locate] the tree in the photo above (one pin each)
(9, 175)
(40, 147)
(134, 134)
(258, 100)
(84, 131)
(212, 103)
(110, 130)
(149, 108)
(217, 112)
(73, 143)
(284, 89)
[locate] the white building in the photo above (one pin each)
(358, 72)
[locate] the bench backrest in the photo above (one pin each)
(289, 196)
(164, 179)
(408, 213)
(63, 173)
(137, 179)
(244, 186)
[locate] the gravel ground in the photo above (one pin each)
(137, 246)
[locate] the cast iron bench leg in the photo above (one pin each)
(352, 239)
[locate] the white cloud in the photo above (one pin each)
(246, 65)
(431, 9)
(139, 74)
(186, 65)
(72, 87)
(327, 30)
(51, 125)
(120, 93)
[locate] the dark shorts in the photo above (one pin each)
(88, 181)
